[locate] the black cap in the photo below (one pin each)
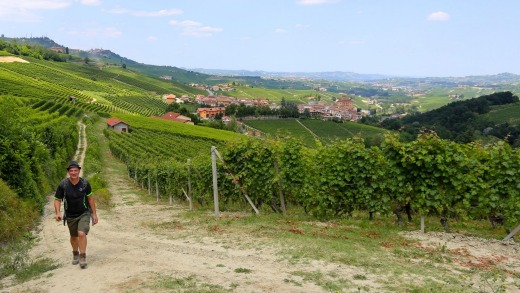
(73, 164)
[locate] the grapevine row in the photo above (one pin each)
(431, 175)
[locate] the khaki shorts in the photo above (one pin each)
(81, 223)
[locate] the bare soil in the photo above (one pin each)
(9, 59)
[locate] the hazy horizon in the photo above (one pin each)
(396, 38)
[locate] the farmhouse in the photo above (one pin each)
(207, 113)
(169, 98)
(117, 125)
(57, 49)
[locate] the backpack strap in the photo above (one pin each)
(64, 184)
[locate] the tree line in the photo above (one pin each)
(460, 121)
(34, 51)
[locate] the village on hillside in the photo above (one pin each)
(215, 106)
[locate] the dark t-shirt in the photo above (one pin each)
(75, 195)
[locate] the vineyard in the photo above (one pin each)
(310, 129)
(95, 90)
(330, 179)
(35, 145)
(430, 175)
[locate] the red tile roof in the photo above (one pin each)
(114, 121)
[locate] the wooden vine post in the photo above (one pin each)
(157, 186)
(236, 182)
(513, 232)
(189, 187)
(215, 182)
(149, 187)
(280, 186)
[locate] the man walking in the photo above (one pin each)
(79, 205)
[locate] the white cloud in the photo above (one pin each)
(164, 12)
(281, 31)
(90, 2)
(193, 28)
(315, 2)
(111, 32)
(159, 13)
(116, 11)
(24, 10)
(299, 25)
(439, 16)
(37, 5)
(152, 38)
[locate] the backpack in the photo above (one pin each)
(64, 184)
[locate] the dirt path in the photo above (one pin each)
(9, 59)
(82, 145)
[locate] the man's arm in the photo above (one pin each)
(57, 206)
(92, 204)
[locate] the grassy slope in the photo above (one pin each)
(290, 95)
(111, 89)
(430, 103)
(505, 113)
(326, 131)
(290, 126)
(175, 127)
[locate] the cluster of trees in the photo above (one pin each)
(34, 51)
(460, 121)
(286, 110)
(174, 107)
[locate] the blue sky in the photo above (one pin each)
(395, 37)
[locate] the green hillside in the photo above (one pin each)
(282, 127)
(101, 90)
(309, 130)
(483, 118)
(505, 114)
(175, 128)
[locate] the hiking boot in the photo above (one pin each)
(75, 257)
(82, 260)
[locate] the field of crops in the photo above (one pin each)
(282, 127)
(276, 95)
(505, 114)
(308, 129)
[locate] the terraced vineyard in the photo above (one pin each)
(96, 90)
